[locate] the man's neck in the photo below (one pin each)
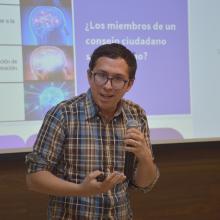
(107, 116)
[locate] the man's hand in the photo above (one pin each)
(136, 143)
(146, 172)
(90, 185)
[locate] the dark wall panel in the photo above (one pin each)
(188, 188)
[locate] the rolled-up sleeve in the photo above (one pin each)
(145, 129)
(149, 187)
(48, 146)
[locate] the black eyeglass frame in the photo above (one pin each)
(107, 79)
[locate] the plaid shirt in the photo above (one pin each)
(73, 141)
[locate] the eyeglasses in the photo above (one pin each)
(101, 78)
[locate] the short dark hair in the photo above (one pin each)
(115, 51)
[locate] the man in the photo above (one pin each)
(79, 155)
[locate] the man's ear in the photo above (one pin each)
(89, 74)
(130, 84)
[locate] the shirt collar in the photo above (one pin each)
(90, 107)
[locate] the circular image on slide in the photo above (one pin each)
(40, 97)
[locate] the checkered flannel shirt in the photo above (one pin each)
(72, 142)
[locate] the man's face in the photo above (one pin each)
(106, 96)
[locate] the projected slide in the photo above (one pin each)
(157, 34)
(37, 65)
(45, 48)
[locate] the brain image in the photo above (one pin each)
(47, 62)
(47, 24)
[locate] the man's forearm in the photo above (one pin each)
(146, 173)
(46, 182)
